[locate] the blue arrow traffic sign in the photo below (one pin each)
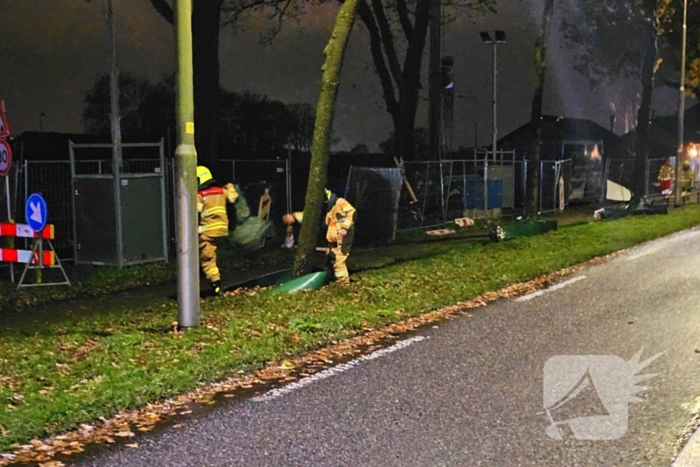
(35, 212)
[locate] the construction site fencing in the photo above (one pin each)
(651, 177)
(53, 180)
(555, 185)
(449, 189)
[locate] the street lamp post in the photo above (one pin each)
(681, 112)
(499, 38)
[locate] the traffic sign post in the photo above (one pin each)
(5, 166)
(36, 213)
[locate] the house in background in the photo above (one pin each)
(572, 150)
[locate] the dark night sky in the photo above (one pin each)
(51, 52)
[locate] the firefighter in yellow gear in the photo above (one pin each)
(340, 219)
(688, 177)
(213, 221)
(666, 176)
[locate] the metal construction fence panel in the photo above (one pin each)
(427, 180)
(652, 185)
(119, 218)
(447, 189)
(53, 180)
(555, 185)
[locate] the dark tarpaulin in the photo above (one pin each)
(375, 193)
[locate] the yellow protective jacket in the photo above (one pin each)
(666, 172)
(340, 216)
(688, 178)
(211, 206)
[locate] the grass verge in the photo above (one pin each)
(85, 366)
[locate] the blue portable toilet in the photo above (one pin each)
(495, 194)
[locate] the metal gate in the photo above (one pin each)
(119, 217)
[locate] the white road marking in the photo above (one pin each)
(532, 295)
(279, 392)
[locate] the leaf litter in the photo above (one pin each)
(105, 430)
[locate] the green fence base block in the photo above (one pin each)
(523, 228)
(282, 282)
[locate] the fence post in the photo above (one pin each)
(539, 195)
(646, 177)
(486, 184)
(289, 182)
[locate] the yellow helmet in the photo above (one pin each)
(686, 163)
(203, 174)
(328, 194)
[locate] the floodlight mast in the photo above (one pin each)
(500, 38)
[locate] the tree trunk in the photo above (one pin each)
(644, 113)
(533, 153)
(323, 127)
(404, 127)
(408, 106)
(205, 43)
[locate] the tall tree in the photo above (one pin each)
(302, 116)
(207, 18)
(619, 38)
(671, 19)
(533, 172)
(396, 27)
(96, 111)
(323, 129)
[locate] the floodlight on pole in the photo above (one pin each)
(500, 38)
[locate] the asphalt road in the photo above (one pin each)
(471, 392)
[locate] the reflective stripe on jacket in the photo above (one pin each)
(211, 205)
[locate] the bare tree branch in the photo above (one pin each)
(388, 42)
(164, 9)
(404, 18)
(376, 49)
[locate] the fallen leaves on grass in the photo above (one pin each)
(273, 372)
(84, 350)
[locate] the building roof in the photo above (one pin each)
(557, 129)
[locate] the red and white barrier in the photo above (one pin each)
(24, 231)
(11, 255)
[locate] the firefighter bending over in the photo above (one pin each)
(213, 221)
(340, 219)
